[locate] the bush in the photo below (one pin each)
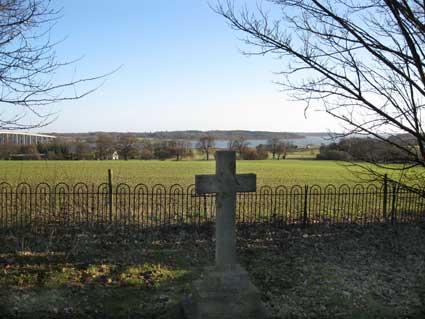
(334, 155)
(262, 152)
(364, 149)
(162, 154)
(146, 154)
(258, 153)
(249, 154)
(6, 150)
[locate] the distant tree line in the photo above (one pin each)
(102, 146)
(276, 147)
(223, 135)
(195, 135)
(364, 149)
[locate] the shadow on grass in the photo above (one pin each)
(98, 276)
(317, 272)
(344, 271)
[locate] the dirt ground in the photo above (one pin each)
(320, 272)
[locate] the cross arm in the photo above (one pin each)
(235, 184)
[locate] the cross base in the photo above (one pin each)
(225, 294)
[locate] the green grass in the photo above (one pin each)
(303, 153)
(269, 172)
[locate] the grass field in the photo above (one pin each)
(269, 172)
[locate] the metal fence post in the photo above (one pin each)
(305, 216)
(205, 207)
(110, 195)
(384, 203)
(393, 206)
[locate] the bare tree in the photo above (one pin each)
(147, 149)
(104, 146)
(82, 150)
(362, 61)
(126, 146)
(28, 64)
(206, 145)
(273, 145)
(179, 148)
(282, 149)
(238, 144)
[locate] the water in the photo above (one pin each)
(300, 142)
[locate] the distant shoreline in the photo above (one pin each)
(195, 134)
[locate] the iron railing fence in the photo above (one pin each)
(142, 207)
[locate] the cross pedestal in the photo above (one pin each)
(225, 290)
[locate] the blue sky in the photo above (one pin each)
(181, 68)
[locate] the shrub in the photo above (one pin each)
(146, 154)
(262, 152)
(334, 155)
(249, 154)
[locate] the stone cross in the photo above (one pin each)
(224, 291)
(225, 183)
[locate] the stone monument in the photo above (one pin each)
(225, 290)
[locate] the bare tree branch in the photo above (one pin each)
(28, 65)
(361, 61)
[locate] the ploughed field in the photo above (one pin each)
(269, 172)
